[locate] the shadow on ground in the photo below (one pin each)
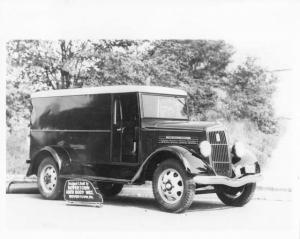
(129, 198)
(150, 203)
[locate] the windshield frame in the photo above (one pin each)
(164, 95)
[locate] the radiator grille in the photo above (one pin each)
(219, 155)
(223, 169)
(217, 137)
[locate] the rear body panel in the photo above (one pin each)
(82, 126)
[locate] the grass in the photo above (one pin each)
(17, 152)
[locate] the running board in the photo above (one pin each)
(95, 178)
(205, 191)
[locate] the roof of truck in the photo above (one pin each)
(110, 89)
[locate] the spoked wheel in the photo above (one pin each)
(236, 196)
(172, 188)
(109, 189)
(50, 186)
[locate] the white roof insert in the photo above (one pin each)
(110, 89)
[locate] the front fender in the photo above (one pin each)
(58, 153)
(193, 163)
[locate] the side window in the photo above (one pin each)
(129, 104)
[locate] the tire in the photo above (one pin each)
(237, 197)
(173, 189)
(49, 184)
(109, 189)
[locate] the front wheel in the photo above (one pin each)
(173, 189)
(237, 197)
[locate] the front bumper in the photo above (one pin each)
(231, 182)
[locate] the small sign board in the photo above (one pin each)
(82, 192)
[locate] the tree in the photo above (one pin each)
(120, 63)
(56, 64)
(197, 66)
(249, 95)
(34, 65)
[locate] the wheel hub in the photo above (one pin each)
(170, 186)
(49, 178)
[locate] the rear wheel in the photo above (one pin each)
(109, 189)
(173, 189)
(49, 184)
(237, 197)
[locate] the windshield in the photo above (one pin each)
(157, 106)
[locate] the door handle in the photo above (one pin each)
(120, 129)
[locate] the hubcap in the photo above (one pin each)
(48, 178)
(170, 186)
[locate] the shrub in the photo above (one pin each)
(261, 144)
(17, 151)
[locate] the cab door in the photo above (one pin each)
(117, 130)
(130, 127)
(125, 128)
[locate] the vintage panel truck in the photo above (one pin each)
(116, 135)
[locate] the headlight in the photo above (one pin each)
(205, 148)
(239, 149)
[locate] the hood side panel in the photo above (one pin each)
(176, 124)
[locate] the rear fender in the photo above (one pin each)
(58, 153)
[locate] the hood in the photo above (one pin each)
(177, 125)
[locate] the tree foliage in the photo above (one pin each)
(249, 95)
(198, 66)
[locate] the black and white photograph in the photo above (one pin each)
(178, 118)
